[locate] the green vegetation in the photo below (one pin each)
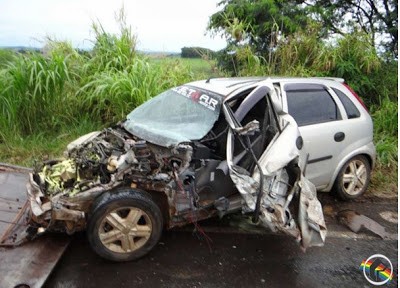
(385, 177)
(262, 23)
(202, 68)
(6, 56)
(352, 57)
(48, 99)
(196, 52)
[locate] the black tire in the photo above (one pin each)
(351, 188)
(113, 220)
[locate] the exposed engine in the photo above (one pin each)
(104, 160)
(109, 156)
(95, 159)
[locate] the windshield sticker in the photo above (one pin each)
(208, 101)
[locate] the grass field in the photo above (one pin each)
(200, 68)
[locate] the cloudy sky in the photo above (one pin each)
(160, 25)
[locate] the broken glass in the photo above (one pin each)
(178, 115)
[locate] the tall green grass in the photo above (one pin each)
(6, 56)
(385, 118)
(385, 176)
(111, 94)
(351, 57)
(64, 92)
(34, 88)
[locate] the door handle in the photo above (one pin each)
(339, 137)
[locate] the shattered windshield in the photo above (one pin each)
(178, 115)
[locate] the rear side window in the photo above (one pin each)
(311, 106)
(351, 109)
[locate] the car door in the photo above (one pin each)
(319, 115)
(269, 181)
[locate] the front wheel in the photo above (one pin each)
(353, 179)
(124, 225)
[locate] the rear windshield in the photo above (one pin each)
(178, 115)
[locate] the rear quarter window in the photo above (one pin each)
(312, 106)
(351, 109)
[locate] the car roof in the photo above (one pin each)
(226, 86)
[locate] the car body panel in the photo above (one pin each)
(326, 156)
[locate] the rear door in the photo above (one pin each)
(319, 115)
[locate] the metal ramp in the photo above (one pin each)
(28, 264)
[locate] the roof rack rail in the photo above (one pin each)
(337, 79)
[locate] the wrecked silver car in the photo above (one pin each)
(196, 151)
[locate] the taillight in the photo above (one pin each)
(355, 95)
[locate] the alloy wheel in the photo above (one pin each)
(354, 177)
(124, 230)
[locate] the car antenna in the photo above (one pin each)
(208, 80)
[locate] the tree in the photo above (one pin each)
(261, 22)
(196, 52)
(258, 22)
(378, 18)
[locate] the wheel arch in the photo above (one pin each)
(358, 152)
(159, 198)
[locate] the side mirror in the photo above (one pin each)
(249, 129)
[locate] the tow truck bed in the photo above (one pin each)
(29, 264)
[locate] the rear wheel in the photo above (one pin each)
(124, 225)
(353, 179)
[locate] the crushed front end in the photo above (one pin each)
(61, 192)
(150, 151)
